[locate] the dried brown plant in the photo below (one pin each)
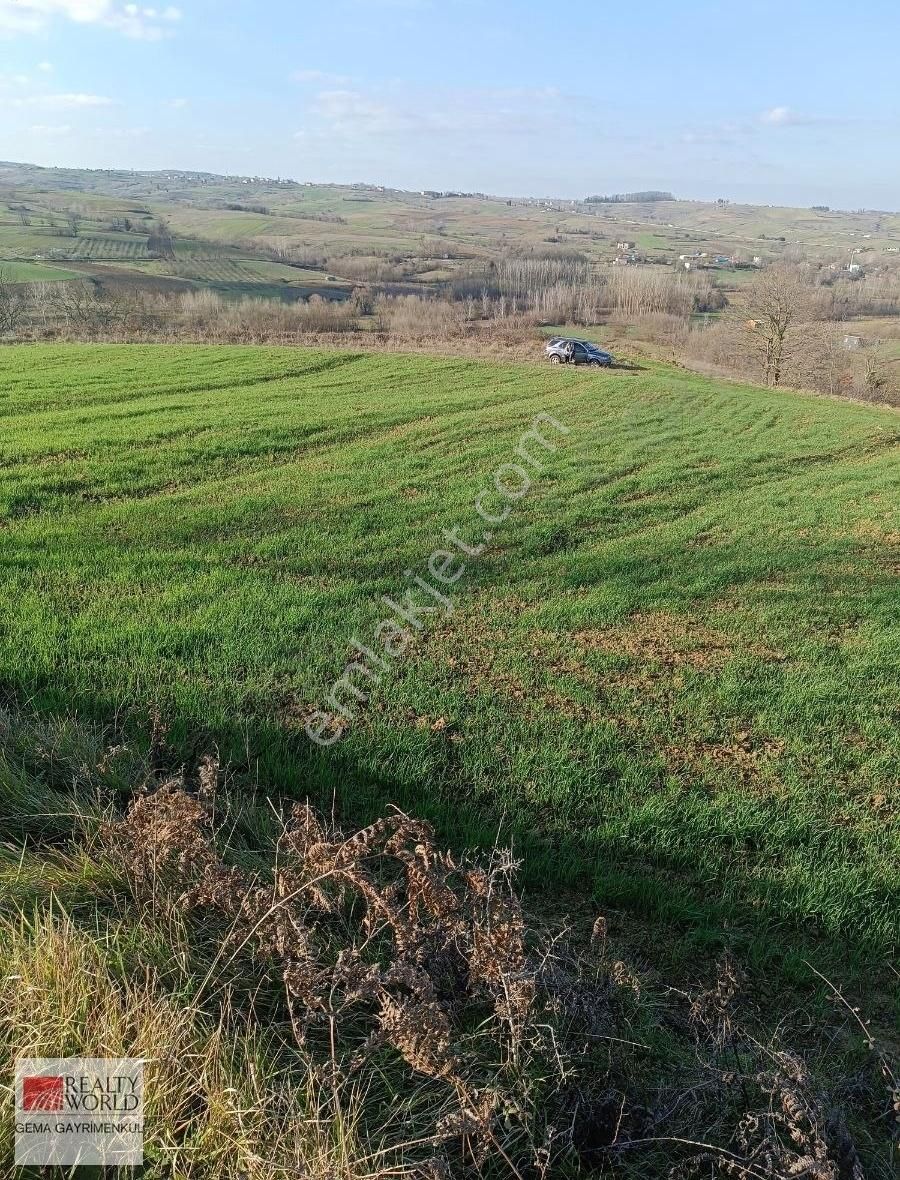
(378, 936)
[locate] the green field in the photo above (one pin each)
(671, 679)
(224, 270)
(15, 271)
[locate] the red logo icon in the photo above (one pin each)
(43, 1094)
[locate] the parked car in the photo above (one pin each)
(562, 351)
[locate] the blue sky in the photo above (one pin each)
(792, 102)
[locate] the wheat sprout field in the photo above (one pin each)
(670, 682)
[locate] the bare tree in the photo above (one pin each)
(13, 304)
(73, 220)
(824, 358)
(74, 305)
(880, 378)
(778, 303)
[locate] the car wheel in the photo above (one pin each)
(556, 360)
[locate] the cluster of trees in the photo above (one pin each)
(564, 287)
(643, 291)
(236, 207)
(159, 241)
(630, 198)
(782, 332)
(96, 311)
(851, 295)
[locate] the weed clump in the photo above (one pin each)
(389, 950)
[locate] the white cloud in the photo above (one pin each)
(348, 111)
(777, 116)
(738, 134)
(133, 20)
(176, 104)
(46, 67)
(787, 117)
(63, 102)
(354, 114)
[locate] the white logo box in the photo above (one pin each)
(79, 1110)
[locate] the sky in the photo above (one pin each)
(789, 102)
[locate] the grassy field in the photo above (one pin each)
(227, 274)
(34, 272)
(671, 678)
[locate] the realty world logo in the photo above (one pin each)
(79, 1111)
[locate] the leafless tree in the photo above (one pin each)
(74, 304)
(778, 303)
(13, 304)
(880, 375)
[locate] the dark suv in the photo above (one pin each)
(562, 351)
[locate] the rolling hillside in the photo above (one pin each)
(417, 238)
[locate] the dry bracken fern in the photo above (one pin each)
(379, 934)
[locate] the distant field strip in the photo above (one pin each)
(672, 680)
(16, 271)
(88, 249)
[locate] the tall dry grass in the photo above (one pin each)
(223, 1099)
